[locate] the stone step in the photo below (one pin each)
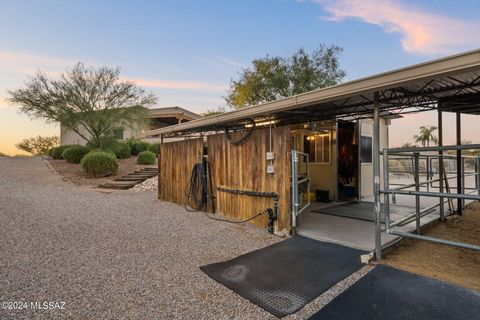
(131, 178)
(118, 185)
(140, 175)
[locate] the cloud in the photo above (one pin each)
(422, 32)
(30, 63)
(220, 62)
(178, 85)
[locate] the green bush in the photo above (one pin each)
(154, 147)
(57, 151)
(100, 164)
(139, 146)
(146, 157)
(122, 150)
(49, 152)
(74, 154)
(108, 143)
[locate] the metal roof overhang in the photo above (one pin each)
(451, 83)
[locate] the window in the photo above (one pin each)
(366, 149)
(118, 134)
(317, 146)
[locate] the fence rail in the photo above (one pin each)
(413, 157)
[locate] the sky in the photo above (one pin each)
(187, 51)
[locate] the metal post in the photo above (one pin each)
(440, 162)
(376, 175)
(386, 186)
(459, 163)
(463, 181)
(294, 190)
(477, 176)
(427, 167)
(417, 197)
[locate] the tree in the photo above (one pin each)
(91, 102)
(426, 135)
(38, 145)
(272, 78)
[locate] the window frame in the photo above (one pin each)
(329, 135)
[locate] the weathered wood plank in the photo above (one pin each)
(245, 167)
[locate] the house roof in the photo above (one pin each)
(451, 83)
(174, 112)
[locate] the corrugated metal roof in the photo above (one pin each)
(419, 87)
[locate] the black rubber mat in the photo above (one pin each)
(361, 211)
(388, 293)
(283, 277)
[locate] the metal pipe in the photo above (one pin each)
(441, 169)
(398, 151)
(459, 162)
(427, 166)
(463, 181)
(376, 175)
(433, 194)
(386, 186)
(435, 240)
(294, 190)
(478, 175)
(417, 197)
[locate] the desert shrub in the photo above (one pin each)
(139, 146)
(107, 143)
(154, 147)
(131, 142)
(74, 154)
(57, 151)
(122, 150)
(100, 164)
(146, 157)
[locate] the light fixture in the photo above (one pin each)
(261, 123)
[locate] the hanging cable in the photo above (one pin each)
(243, 137)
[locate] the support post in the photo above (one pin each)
(477, 176)
(459, 163)
(376, 175)
(440, 161)
(417, 188)
(463, 181)
(294, 191)
(386, 186)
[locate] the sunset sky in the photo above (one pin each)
(187, 51)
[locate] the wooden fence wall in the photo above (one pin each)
(175, 165)
(244, 167)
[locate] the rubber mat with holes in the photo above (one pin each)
(285, 276)
(388, 293)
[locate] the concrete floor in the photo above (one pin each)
(349, 232)
(360, 234)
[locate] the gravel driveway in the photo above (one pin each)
(123, 255)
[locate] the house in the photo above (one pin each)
(159, 118)
(270, 157)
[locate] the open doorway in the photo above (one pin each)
(347, 161)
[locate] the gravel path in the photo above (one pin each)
(123, 255)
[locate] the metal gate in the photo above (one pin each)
(300, 185)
